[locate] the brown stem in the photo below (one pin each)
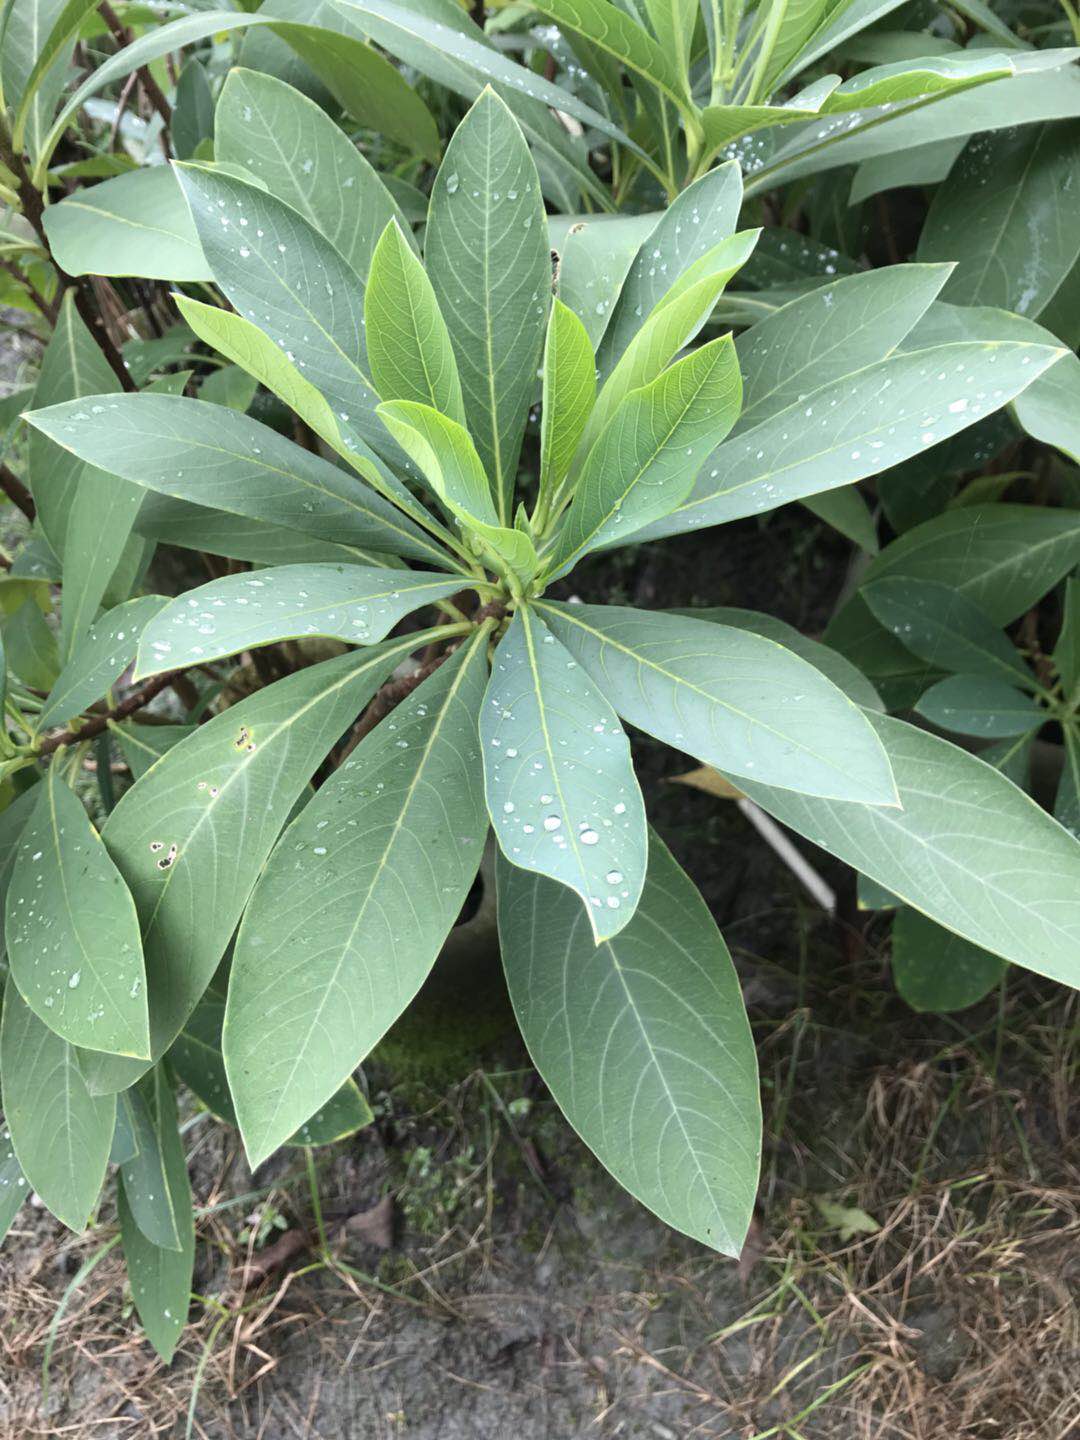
(50, 310)
(122, 36)
(17, 492)
(98, 723)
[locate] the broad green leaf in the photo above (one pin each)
(191, 836)
(944, 627)
(72, 366)
(281, 273)
(336, 940)
(409, 348)
(135, 224)
(444, 453)
(732, 698)
(1067, 800)
(935, 970)
(228, 461)
(676, 320)
(193, 111)
(846, 511)
(291, 145)
(927, 164)
(101, 557)
(34, 60)
(142, 745)
(595, 253)
(1003, 557)
(569, 392)
(922, 79)
(1067, 650)
(30, 647)
(486, 251)
(644, 461)
(160, 1278)
(13, 1187)
(614, 31)
(644, 1043)
(835, 330)
(286, 602)
(830, 662)
(72, 933)
(229, 385)
(1010, 217)
(124, 1145)
(705, 213)
(673, 23)
(859, 426)
(967, 848)
(251, 348)
(60, 1132)
(981, 705)
(13, 820)
(197, 1059)
(561, 789)
(146, 1186)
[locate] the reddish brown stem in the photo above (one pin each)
(97, 724)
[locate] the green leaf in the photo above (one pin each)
(228, 461)
(60, 1132)
(280, 272)
(486, 250)
(1067, 649)
(1010, 217)
(146, 1186)
(944, 627)
(986, 706)
(13, 820)
(72, 933)
(160, 1278)
(861, 424)
(560, 784)
(142, 745)
(936, 970)
(615, 32)
(30, 647)
(644, 461)
(1003, 557)
(291, 145)
(13, 1187)
(968, 849)
(835, 330)
(231, 386)
(674, 322)
(1067, 800)
(732, 698)
(569, 393)
(135, 224)
(101, 557)
(644, 1043)
(409, 346)
(848, 513)
(595, 253)
(103, 656)
(191, 836)
(193, 111)
(705, 213)
(286, 602)
(38, 38)
(124, 1145)
(336, 939)
(445, 455)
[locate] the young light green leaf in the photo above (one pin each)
(13, 1187)
(1005, 190)
(192, 835)
(487, 256)
(291, 145)
(60, 1132)
(146, 1186)
(859, 426)
(103, 656)
(217, 457)
(286, 602)
(38, 38)
(645, 460)
(336, 940)
(560, 784)
(983, 705)
(944, 627)
(72, 933)
(935, 970)
(444, 453)
(618, 34)
(967, 848)
(134, 224)
(568, 395)
(730, 697)
(409, 348)
(644, 1043)
(161, 1278)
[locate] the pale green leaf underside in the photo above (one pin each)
(103, 656)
